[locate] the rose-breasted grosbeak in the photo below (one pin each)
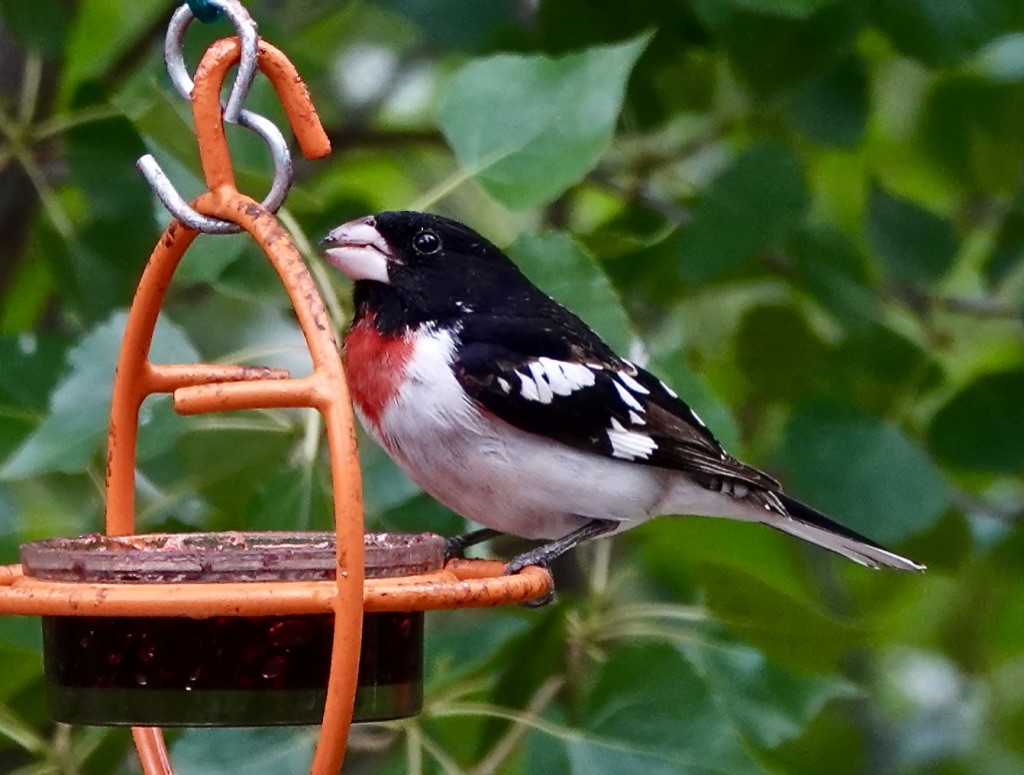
(507, 408)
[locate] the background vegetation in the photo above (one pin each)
(808, 213)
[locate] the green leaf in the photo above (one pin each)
(863, 471)
(798, 9)
(751, 206)
(159, 427)
(41, 25)
(546, 125)
(564, 25)
(791, 631)
(650, 712)
(421, 513)
(833, 743)
(21, 732)
(675, 550)
(675, 73)
(209, 256)
(232, 463)
(1008, 251)
(24, 301)
(916, 245)
(545, 752)
(827, 265)
(560, 267)
(242, 751)
(445, 23)
(773, 53)
(768, 704)
(943, 33)
(524, 663)
(967, 126)
(876, 369)
(832, 107)
(101, 157)
(982, 426)
(1002, 60)
(460, 642)
(101, 32)
(297, 498)
(30, 365)
(385, 485)
(763, 334)
(632, 228)
(73, 431)
(22, 667)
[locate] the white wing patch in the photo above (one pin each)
(669, 390)
(549, 378)
(529, 387)
(629, 445)
(540, 379)
(504, 385)
(632, 384)
(627, 397)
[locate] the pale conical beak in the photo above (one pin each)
(359, 250)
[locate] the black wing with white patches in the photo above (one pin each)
(610, 407)
(562, 389)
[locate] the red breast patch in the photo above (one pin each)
(375, 365)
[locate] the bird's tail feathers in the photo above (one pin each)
(813, 526)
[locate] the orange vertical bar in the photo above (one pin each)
(133, 380)
(149, 742)
(333, 402)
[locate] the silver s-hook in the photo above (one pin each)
(233, 112)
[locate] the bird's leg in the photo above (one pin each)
(456, 546)
(545, 553)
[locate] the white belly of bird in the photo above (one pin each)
(510, 480)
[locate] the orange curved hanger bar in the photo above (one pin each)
(294, 96)
(228, 388)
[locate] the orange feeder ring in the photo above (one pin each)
(199, 388)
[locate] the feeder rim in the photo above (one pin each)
(460, 584)
(223, 556)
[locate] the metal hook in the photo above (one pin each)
(247, 34)
(267, 130)
(184, 212)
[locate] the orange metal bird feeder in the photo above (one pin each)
(217, 587)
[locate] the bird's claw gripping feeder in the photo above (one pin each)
(239, 629)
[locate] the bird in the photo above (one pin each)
(507, 408)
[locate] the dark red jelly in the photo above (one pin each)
(230, 671)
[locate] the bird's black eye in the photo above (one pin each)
(426, 242)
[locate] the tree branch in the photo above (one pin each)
(922, 303)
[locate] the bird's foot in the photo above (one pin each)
(540, 602)
(454, 549)
(534, 557)
(544, 554)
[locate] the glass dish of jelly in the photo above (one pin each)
(223, 671)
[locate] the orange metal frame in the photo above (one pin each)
(199, 388)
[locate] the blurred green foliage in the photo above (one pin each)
(808, 214)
